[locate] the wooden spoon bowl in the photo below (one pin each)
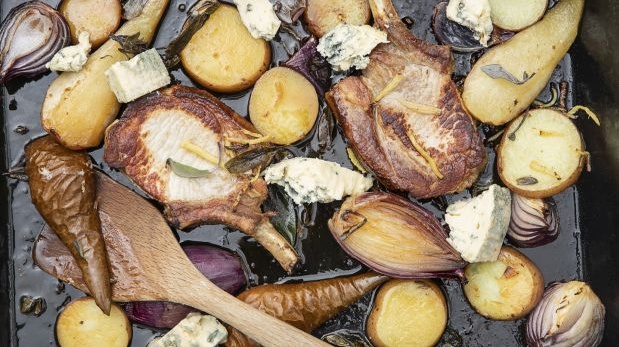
(147, 263)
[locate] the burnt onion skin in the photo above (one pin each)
(30, 35)
(533, 223)
(395, 237)
(569, 315)
(220, 266)
(459, 37)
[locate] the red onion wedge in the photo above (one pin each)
(569, 315)
(30, 35)
(534, 222)
(221, 266)
(309, 63)
(395, 237)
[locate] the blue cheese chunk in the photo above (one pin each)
(138, 76)
(71, 58)
(348, 46)
(195, 330)
(473, 14)
(309, 180)
(478, 225)
(259, 18)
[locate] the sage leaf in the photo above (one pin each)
(512, 135)
(497, 71)
(253, 158)
(526, 181)
(285, 219)
(198, 14)
(130, 44)
(346, 338)
(186, 171)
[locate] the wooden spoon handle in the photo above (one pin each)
(261, 327)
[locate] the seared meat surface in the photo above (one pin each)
(403, 116)
(192, 127)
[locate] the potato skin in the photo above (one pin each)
(81, 324)
(323, 15)
(283, 105)
(99, 18)
(63, 189)
(529, 191)
(223, 56)
(516, 263)
(425, 331)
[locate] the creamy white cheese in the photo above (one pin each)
(71, 58)
(259, 18)
(309, 180)
(138, 76)
(478, 225)
(194, 330)
(473, 14)
(347, 46)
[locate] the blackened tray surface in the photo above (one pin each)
(586, 249)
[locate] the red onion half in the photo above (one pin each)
(30, 35)
(569, 315)
(534, 222)
(221, 266)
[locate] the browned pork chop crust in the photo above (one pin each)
(155, 129)
(382, 132)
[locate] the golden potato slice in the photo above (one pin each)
(82, 323)
(323, 15)
(506, 289)
(283, 105)
(516, 15)
(407, 313)
(99, 18)
(223, 56)
(540, 154)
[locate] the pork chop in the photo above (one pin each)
(404, 118)
(187, 125)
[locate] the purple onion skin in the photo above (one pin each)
(569, 315)
(309, 63)
(532, 226)
(32, 64)
(220, 266)
(459, 37)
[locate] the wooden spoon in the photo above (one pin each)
(147, 263)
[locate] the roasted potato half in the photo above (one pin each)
(515, 15)
(323, 15)
(223, 56)
(506, 289)
(407, 313)
(283, 105)
(99, 18)
(541, 153)
(82, 323)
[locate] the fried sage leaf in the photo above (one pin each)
(497, 71)
(186, 171)
(346, 338)
(198, 14)
(130, 44)
(253, 158)
(285, 219)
